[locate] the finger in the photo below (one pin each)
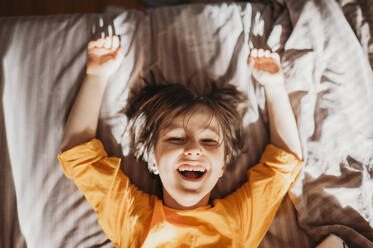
(100, 42)
(107, 42)
(276, 57)
(267, 54)
(115, 43)
(254, 53)
(260, 53)
(91, 44)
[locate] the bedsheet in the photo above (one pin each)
(327, 56)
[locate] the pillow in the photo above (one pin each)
(42, 66)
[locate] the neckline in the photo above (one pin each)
(199, 209)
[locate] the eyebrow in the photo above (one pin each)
(172, 127)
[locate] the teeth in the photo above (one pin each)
(192, 169)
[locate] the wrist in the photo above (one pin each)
(275, 86)
(275, 92)
(96, 80)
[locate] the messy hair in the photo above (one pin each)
(156, 105)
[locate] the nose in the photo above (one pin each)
(192, 148)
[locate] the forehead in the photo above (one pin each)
(198, 118)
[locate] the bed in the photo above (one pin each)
(327, 55)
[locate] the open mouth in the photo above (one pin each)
(192, 173)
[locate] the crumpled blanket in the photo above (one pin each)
(326, 50)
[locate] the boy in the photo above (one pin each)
(187, 139)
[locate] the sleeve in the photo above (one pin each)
(257, 201)
(116, 201)
(91, 170)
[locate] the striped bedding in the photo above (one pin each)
(327, 52)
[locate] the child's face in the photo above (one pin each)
(190, 158)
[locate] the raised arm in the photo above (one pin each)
(266, 69)
(104, 57)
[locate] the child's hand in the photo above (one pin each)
(266, 67)
(104, 56)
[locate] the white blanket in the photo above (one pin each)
(325, 46)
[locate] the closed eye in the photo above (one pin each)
(177, 139)
(207, 142)
(210, 141)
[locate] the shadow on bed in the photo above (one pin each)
(319, 222)
(10, 232)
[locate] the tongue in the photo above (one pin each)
(191, 174)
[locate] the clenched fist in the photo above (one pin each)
(266, 67)
(104, 56)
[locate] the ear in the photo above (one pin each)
(226, 160)
(222, 171)
(152, 164)
(155, 170)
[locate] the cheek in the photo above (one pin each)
(222, 163)
(219, 157)
(165, 154)
(219, 171)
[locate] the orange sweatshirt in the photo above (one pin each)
(132, 218)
